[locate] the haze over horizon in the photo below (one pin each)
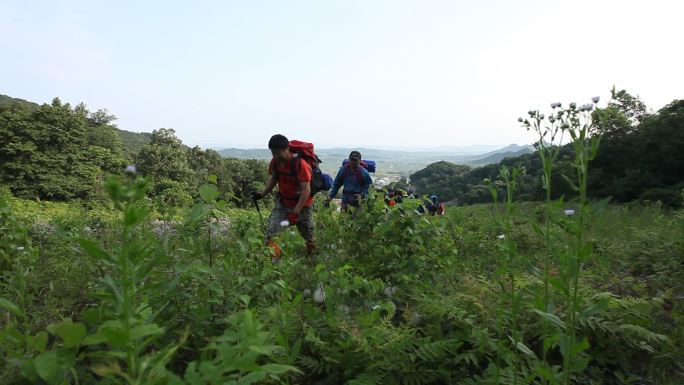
(382, 74)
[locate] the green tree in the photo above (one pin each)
(438, 178)
(165, 157)
(47, 153)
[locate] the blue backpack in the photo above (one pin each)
(327, 182)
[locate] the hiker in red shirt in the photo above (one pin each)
(294, 200)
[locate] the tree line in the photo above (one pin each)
(640, 158)
(59, 152)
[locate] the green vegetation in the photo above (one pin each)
(62, 153)
(55, 152)
(133, 142)
(119, 296)
(639, 159)
(165, 279)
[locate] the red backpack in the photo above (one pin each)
(305, 150)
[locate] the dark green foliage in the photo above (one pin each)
(133, 142)
(54, 152)
(438, 178)
(639, 159)
(178, 171)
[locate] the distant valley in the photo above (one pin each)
(398, 163)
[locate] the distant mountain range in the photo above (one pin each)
(402, 162)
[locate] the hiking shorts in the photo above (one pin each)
(304, 222)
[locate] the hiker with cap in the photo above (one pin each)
(294, 199)
(355, 180)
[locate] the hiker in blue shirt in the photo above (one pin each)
(355, 180)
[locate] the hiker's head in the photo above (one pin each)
(279, 146)
(354, 159)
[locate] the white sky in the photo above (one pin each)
(348, 73)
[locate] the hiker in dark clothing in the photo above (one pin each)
(355, 179)
(434, 206)
(294, 200)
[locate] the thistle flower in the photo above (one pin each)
(555, 105)
(552, 119)
(573, 105)
(520, 120)
(541, 116)
(595, 99)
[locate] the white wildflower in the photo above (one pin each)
(131, 168)
(501, 236)
(569, 212)
(390, 291)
